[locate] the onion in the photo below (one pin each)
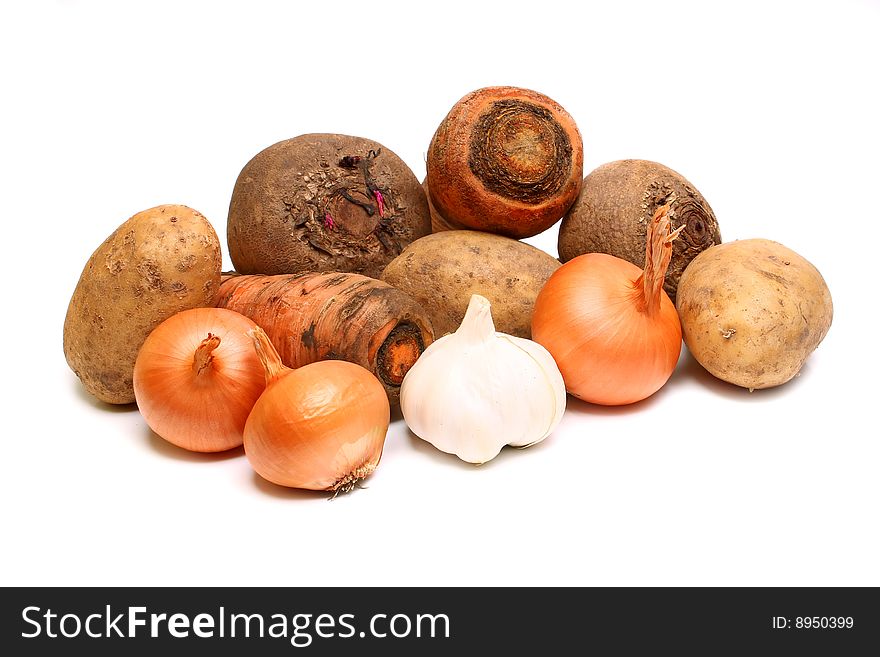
(610, 326)
(197, 377)
(319, 427)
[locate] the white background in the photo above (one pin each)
(769, 108)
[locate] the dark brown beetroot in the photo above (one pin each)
(505, 160)
(324, 202)
(616, 202)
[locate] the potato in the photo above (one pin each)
(752, 311)
(157, 263)
(442, 271)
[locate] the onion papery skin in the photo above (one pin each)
(592, 318)
(202, 411)
(319, 427)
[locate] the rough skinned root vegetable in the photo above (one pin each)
(324, 202)
(442, 271)
(504, 160)
(752, 311)
(342, 316)
(157, 263)
(616, 204)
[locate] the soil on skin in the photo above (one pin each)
(324, 203)
(616, 203)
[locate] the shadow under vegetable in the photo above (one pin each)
(81, 392)
(690, 369)
(451, 460)
(285, 493)
(163, 447)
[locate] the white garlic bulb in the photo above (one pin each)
(474, 391)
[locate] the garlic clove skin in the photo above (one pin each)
(452, 412)
(474, 391)
(553, 379)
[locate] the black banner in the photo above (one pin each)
(407, 621)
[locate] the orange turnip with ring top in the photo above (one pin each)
(505, 160)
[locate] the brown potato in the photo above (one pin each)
(442, 271)
(752, 311)
(157, 263)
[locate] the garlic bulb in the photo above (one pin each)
(474, 391)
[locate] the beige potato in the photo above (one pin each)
(159, 262)
(442, 271)
(752, 311)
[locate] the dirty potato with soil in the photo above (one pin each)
(752, 311)
(324, 202)
(442, 271)
(159, 262)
